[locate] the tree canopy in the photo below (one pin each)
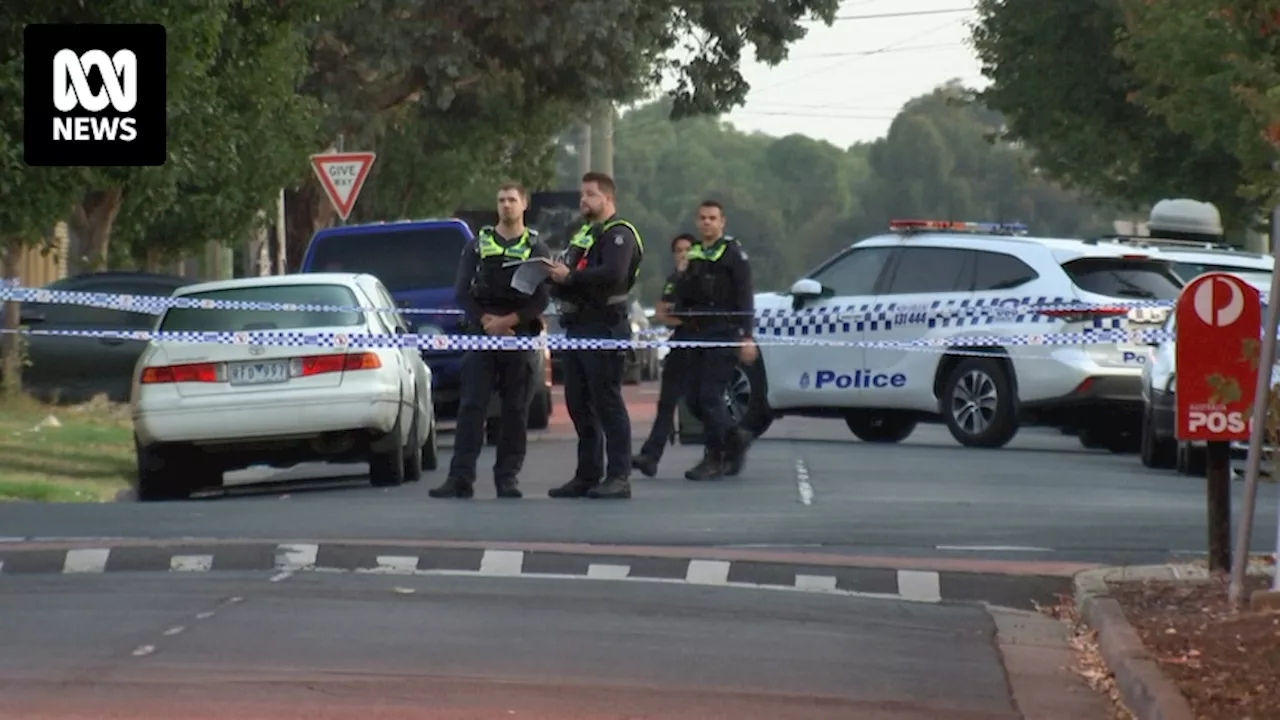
(1089, 86)
(794, 201)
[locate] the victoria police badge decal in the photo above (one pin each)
(94, 95)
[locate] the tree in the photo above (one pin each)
(1063, 90)
(475, 71)
(33, 200)
(1211, 69)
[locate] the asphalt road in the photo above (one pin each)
(808, 485)
(319, 646)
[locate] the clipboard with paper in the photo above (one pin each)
(529, 273)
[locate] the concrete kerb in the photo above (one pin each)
(1143, 687)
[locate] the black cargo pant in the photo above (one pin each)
(593, 396)
(675, 371)
(710, 372)
(483, 371)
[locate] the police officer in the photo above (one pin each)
(674, 368)
(715, 292)
(592, 284)
(494, 308)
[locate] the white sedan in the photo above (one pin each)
(202, 409)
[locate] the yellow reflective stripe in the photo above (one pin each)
(697, 252)
(490, 247)
(629, 226)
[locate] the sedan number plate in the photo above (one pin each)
(258, 373)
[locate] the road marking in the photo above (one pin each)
(1, 566)
(282, 575)
(992, 548)
(296, 557)
(707, 572)
(144, 650)
(204, 615)
(919, 586)
(174, 630)
(802, 483)
(608, 572)
(12, 539)
(190, 563)
(816, 582)
(397, 563)
(86, 560)
(501, 562)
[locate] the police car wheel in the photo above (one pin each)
(748, 398)
(978, 404)
(1156, 452)
(880, 427)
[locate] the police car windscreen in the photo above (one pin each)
(420, 259)
(1124, 278)
(248, 320)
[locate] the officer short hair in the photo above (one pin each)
(712, 204)
(602, 181)
(513, 185)
(686, 237)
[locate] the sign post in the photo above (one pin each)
(342, 175)
(1219, 325)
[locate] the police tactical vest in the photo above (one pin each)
(704, 280)
(582, 241)
(491, 283)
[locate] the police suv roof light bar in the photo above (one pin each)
(956, 226)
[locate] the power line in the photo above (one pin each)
(860, 53)
(885, 16)
(823, 116)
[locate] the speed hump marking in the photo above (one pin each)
(1219, 331)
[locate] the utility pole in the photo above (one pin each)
(584, 148)
(604, 120)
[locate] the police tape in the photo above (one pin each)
(446, 343)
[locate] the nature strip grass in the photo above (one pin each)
(87, 456)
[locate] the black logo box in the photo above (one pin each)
(149, 148)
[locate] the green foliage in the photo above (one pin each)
(1064, 91)
(1211, 69)
(795, 201)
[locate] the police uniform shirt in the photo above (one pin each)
(611, 264)
(530, 308)
(730, 291)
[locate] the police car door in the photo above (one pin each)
(922, 283)
(820, 375)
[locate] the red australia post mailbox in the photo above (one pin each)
(1219, 327)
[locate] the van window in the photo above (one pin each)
(419, 259)
(1124, 278)
(223, 320)
(1188, 271)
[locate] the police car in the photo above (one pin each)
(1190, 259)
(955, 306)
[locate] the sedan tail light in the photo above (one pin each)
(321, 364)
(190, 373)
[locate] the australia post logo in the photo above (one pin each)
(94, 95)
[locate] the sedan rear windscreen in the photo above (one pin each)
(421, 259)
(222, 320)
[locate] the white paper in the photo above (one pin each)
(529, 275)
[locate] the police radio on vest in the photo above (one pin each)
(1218, 421)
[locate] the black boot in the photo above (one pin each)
(453, 488)
(736, 454)
(710, 468)
(645, 464)
(508, 488)
(614, 488)
(575, 488)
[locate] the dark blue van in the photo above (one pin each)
(416, 260)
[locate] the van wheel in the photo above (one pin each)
(1156, 452)
(880, 427)
(748, 398)
(431, 449)
(169, 473)
(978, 404)
(413, 453)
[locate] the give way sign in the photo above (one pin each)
(342, 175)
(1219, 327)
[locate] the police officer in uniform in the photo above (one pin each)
(494, 308)
(592, 284)
(674, 368)
(715, 291)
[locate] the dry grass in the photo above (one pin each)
(81, 453)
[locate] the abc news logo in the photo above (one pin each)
(94, 95)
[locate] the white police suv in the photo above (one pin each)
(1190, 259)
(948, 320)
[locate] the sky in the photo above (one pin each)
(845, 83)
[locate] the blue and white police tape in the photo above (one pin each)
(446, 343)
